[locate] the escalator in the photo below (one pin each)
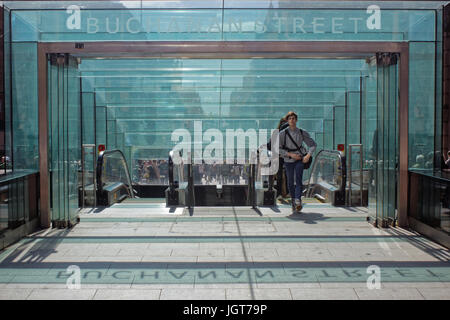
(218, 184)
(233, 184)
(328, 178)
(327, 183)
(112, 180)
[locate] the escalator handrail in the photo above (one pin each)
(190, 176)
(343, 164)
(100, 158)
(172, 184)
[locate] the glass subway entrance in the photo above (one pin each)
(127, 76)
(136, 105)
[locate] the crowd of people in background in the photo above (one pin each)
(431, 161)
(157, 172)
(151, 172)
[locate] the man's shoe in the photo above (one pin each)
(298, 205)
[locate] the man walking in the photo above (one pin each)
(295, 156)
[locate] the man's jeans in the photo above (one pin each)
(297, 168)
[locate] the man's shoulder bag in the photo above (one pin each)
(305, 165)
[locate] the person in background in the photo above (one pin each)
(420, 162)
(281, 185)
(447, 162)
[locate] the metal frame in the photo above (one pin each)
(225, 49)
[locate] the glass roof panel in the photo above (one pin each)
(214, 4)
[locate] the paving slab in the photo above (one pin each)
(135, 259)
(61, 294)
(30, 285)
(192, 294)
(259, 294)
(288, 285)
(14, 294)
(324, 294)
(388, 294)
(155, 286)
(127, 294)
(435, 293)
(172, 258)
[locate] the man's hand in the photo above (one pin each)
(295, 156)
(306, 158)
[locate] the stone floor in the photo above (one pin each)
(142, 250)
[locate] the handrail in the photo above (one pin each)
(170, 168)
(16, 175)
(100, 157)
(343, 169)
(440, 176)
(251, 188)
(190, 191)
(172, 183)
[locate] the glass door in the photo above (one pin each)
(386, 139)
(64, 137)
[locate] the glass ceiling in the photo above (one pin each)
(228, 4)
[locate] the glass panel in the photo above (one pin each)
(438, 121)
(88, 123)
(111, 138)
(387, 142)
(54, 142)
(90, 163)
(4, 207)
(430, 199)
(221, 24)
(73, 136)
(15, 202)
(392, 147)
(145, 101)
(64, 138)
(370, 133)
(224, 4)
(7, 91)
(356, 177)
(24, 101)
(339, 126)
(421, 105)
(353, 117)
(12, 209)
(100, 125)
